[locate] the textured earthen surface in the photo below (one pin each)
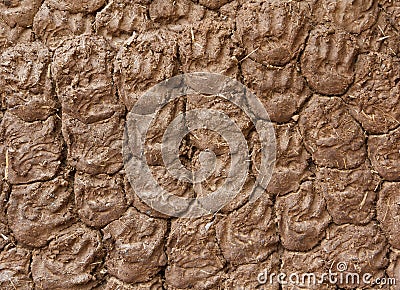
(328, 60)
(69, 260)
(101, 152)
(282, 90)
(82, 71)
(38, 211)
(135, 246)
(15, 268)
(100, 198)
(113, 283)
(76, 6)
(273, 32)
(194, 258)
(327, 72)
(251, 229)
(350, 194)
(246, 275)
(52, 26)
(19, 13)
(388, 211)
(350, 244)
(374, 98)
(331, 135)
(313, 261)
(30, 95)
(384, 151)
(293, 162)
(154, 55)
(33, 150)
(302, 218)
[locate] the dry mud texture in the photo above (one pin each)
(327, 72)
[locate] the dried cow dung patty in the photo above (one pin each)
(326, 72)
(45, 207)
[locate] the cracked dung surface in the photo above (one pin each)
(326, 71)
